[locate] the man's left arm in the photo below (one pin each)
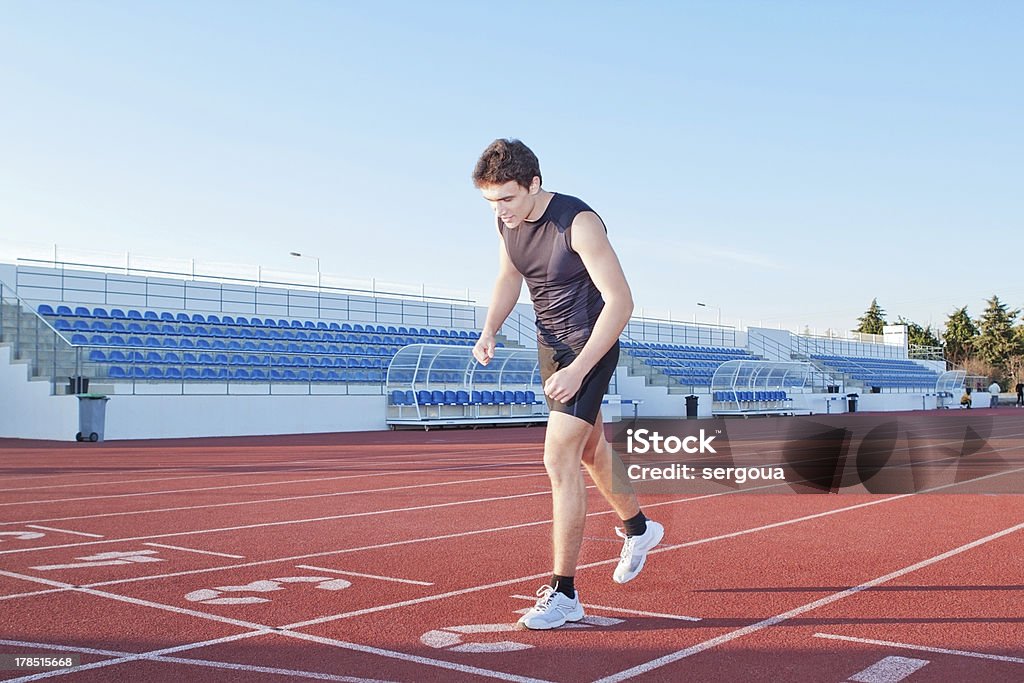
(590, 241)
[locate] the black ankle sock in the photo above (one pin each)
(636, 526)
(564, 585)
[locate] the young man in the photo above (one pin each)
(582, 301)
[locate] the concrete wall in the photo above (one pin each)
(27, 410)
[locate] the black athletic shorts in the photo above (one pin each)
(586, 404)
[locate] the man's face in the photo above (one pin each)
(512, 202)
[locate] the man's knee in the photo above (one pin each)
(564, 445)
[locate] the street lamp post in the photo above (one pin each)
(315, 258)
(318, 277)
(717, 308)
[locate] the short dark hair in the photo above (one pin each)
(504, 160)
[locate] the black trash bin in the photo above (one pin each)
(77, 384)
(851, 402)
(91, 417)
(691, 406)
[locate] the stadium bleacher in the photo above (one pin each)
(161, 345)
(686, 364)
(885, 373)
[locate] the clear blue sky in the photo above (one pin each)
(786, 161)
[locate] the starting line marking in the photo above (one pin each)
(105, 560)
(923, 648)
(365, 576)
(193, 550)
(888, 670)
(604, 608)
(22, 535)
(63, 531)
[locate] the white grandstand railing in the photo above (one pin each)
(31, 335)
(867, 346)
(669, 331)
(767, 348)
(90, 284)
(127, 263)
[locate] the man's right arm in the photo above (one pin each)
(503, 299)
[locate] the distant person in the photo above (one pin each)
(1020, 393)
(965, 400)
(993, 390)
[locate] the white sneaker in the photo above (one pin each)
(551, 611)
(634, 551)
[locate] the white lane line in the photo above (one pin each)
(63, 531)
(164, 492)
(923, 648)
(604, 608)
(468, 455)
(807, 517)
(329, 553)
(543, 491)
(134, 657)
(287, 522)
(779, 618)
(255, 630)
(427, 539)
(405, 657)
(125, 657)
(520, 579)
(182, 508)
(261, 501)
(193, 550)
(888, 670)
(33, 593)
(365, 576)
(139, 601)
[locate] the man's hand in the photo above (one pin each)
(483, 350)
(563, 385)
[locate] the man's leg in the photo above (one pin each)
(563, 447)
(609, 474)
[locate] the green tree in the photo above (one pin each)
(873, 319)
(996, 340)
(917, 335)
(958, 338)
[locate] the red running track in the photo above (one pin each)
(405, 556)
